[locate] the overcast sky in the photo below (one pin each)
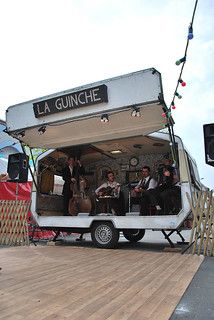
(52, 45)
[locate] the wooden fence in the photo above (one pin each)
(202, 234)
(13, 222)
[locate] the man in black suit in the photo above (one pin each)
(168, 190)
(70, 175)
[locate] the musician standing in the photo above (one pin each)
(110, 189)
(70, 175)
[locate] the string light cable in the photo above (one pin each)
(182, 61)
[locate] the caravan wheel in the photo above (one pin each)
(104, 235)
(134, 235)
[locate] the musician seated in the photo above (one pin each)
(109, 196)
(168, 190)
(145, 192)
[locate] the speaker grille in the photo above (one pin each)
(18, 167)
(13, 171)
(211, 150)
(209, 143)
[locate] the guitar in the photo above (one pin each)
(108, 192)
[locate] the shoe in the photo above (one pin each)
(158, 207)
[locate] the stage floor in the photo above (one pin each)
(71, 282)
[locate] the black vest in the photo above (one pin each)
(145, 185)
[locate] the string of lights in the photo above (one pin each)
(167, 114)
(179, 62)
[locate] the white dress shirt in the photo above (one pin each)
(152, 183)
(114, 185)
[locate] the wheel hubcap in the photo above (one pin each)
(103, 234)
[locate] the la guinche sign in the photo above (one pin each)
(71, 101)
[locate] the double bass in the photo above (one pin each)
(80, 202)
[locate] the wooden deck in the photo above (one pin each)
(61, 282)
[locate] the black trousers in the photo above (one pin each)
(67, 195)
(110, 205)
(170, 200)
(148, 199)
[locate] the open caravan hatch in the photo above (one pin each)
(111, 125)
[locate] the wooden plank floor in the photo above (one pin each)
(45, 283)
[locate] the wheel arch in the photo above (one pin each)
(100, 221)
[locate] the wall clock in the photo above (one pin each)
(134, 161)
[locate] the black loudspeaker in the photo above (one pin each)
(209, 143)
(17, 167)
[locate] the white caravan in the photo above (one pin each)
(113, 124)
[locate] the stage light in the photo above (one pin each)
(21, 135)
(136, 112)
(104, 118)
(42, 130)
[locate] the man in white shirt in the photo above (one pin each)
(146, 190)
(108, 195)
(147, 182)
